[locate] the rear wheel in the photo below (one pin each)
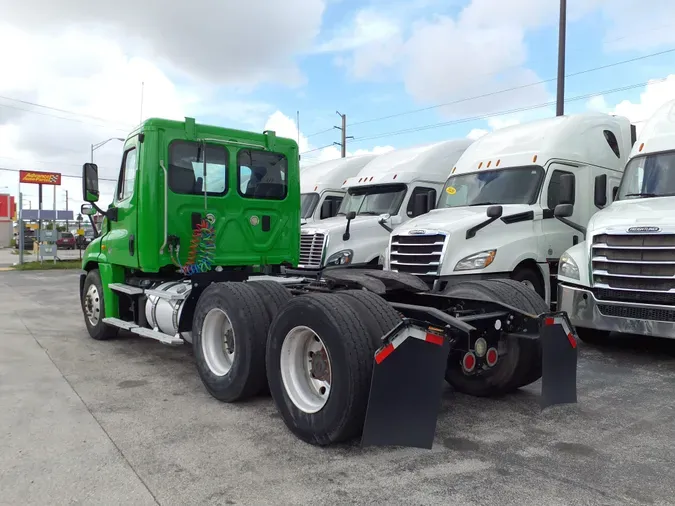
(520, 365)
(319, 364)
(93, 308)
(375, 313)
(273, 293)
(230, 326)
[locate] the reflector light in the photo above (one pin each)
(469, 362)
(491, 357)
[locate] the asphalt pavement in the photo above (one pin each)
(128, 422)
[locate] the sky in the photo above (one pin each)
(403, 72)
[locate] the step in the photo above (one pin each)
(159, 336)
(142, 331)
(116, 322)
(128, 289)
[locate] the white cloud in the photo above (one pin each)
(226, 42)
(477, 133)
(287, 127)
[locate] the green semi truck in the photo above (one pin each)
(193, 249)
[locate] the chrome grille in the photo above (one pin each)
(311, 250)
(633, 263)
(417, 254)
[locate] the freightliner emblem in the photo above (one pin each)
(417, 232)
(642, 230)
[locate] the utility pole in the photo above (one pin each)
(343, 144)
(560, 101)
(67, 227)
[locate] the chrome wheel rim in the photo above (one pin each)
(92, 305)
(306, 369)
(218, 342)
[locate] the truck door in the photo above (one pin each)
(558, 237)
(120, 243)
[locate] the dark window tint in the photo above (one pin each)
(330, 206)
(554, 189)
(262, 175)
(186, 168)
(419, 194)
(613, 143)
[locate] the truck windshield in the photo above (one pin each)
(308, 202)
(648, 176)
(375, 200)
(519, 185)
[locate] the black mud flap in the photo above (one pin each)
(559, 360)
(406, 388)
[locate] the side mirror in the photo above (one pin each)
(566, 189)
(90, 191)
(87, 210)
(600, 191)
(495, 212)
(563, 211)
(384, 218)
(351, 215)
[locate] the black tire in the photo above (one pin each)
(375, 313)
(246, 311)
(522, 363)
(273, 293)
(530, 275)
(351, 353)
(593, 336)
(100, 331)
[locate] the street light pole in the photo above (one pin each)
(560, 101)
(98, 145)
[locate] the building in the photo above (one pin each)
(7, 217)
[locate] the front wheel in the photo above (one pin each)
(93, 308)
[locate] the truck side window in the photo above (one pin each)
(431, 200)
(554, 189)
(335, 202)
(186, 168)
(125, 184)
(262, 175)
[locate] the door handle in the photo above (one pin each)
(265, 223)
(132, 245)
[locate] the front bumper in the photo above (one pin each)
(584, 310)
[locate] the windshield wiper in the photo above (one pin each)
(370, 213)
(482, 204)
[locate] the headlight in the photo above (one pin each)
(568, 267)
(343, 257)
(476, 261)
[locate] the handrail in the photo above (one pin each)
(166, 207)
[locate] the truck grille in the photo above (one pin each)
(638, 268)
(311, 250)
(421, 255)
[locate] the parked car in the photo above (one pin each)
(66, 241)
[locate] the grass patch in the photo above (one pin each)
(49, 265)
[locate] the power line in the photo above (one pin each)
(62, 175)
(498, 92)
(514, 88)
(504, 112)
(98, 118)
(316, 149)
(62, 117)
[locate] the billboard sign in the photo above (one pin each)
(35, 177)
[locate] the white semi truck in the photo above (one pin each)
(495, 216)
(321, 186)
(622, 277)
(391, 189)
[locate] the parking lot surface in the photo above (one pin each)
(128, 422)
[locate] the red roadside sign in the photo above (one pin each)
(35, 177)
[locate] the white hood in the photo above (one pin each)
(454, 219)
(622, 214)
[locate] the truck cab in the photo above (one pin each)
(495, 215)
(389, 190)
(622, 277)
(321, 187)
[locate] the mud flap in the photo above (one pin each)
(559, 360)
(406, 388)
